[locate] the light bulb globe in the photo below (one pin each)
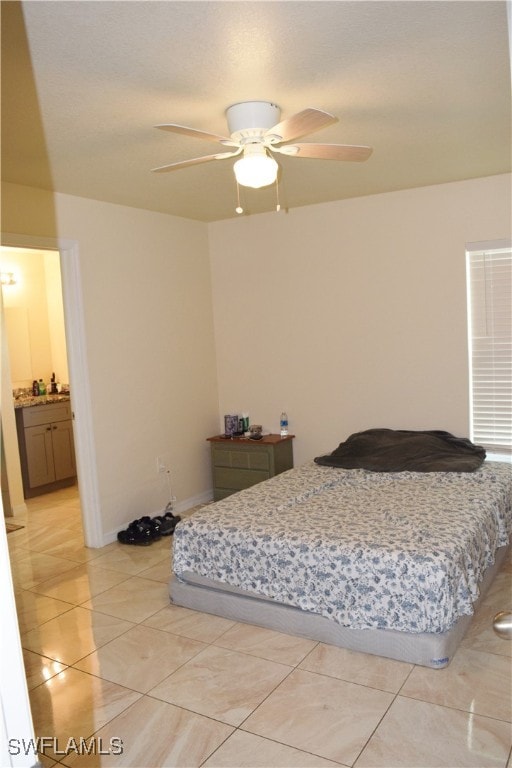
(256, 169)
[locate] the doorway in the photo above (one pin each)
(33, 316)
(78, 376)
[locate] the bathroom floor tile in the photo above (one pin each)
(194, 624)
(140, 658)
(245, 750)
(361, 668)
(73, 635)
(222, 684)
(62, 514)
(134, 599)
(74, 704)
(414, 734)
(155, 734)
(476, 682)
(330, 718)
(266, 644)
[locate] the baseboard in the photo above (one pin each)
(194, 501)
(179, 508)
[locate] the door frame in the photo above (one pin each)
(74, 323)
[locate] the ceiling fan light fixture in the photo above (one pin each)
(252, 115)
(256, 168)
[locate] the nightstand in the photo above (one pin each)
(240, 462)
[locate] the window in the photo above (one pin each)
(489, 274)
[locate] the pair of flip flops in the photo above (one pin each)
(147, 530)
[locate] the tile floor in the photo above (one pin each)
(107, 656)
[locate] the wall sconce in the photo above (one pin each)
(7, 278)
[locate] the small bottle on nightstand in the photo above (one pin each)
(283, 423)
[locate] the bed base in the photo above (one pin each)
(426, 649)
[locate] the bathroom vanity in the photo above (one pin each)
(45, 440)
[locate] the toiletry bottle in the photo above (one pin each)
(42, 387)
(35, 388)
(283, 423)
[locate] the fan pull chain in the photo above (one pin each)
(238, 208)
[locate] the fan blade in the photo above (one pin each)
(183, 129)
(326, 151)
(195, 161)
(307, 121)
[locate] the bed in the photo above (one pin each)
(385, 562)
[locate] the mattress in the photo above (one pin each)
(434, 650)
(398, 552)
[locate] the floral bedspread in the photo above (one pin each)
(403, 551)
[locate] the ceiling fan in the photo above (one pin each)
(256, 134)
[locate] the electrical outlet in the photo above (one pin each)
(161, 465)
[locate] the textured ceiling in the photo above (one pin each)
(426, 84)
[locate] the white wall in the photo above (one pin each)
(150, 344)
(57, 332)
(150, 347)
(351, 314)
(12, 496)
(348, 315)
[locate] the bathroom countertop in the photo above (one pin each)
(28, 401)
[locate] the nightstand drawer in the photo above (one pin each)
(241, 459)
(237, 479)
(250, 459)
(239, 463)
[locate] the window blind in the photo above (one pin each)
(490, 340)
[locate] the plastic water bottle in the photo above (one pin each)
(283, 424)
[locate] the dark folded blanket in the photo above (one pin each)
(388, 450)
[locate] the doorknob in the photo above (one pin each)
(502, 624)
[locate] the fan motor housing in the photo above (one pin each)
(251, 118)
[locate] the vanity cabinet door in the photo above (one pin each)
(46, 447)
(63, 450)
(50, 453)
(39, 453)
